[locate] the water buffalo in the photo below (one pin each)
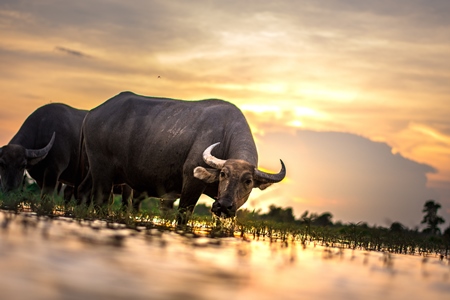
(163, 147)
(46, 146)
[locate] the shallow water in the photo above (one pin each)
(65, 259)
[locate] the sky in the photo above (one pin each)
(352, 95)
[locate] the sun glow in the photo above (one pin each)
(296, 123)
(264, 87)
(327, 94)
(263, 109)
(279, 110)
(301, 200)
(308, 112)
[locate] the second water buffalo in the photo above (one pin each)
(46, 145)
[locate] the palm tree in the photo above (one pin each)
(431, 217)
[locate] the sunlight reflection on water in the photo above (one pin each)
(65, 259)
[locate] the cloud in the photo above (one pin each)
(350, 176)
(222, 42)
(71, 52)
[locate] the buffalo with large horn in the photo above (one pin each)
(236, 179)
(164, 147)
(46, 146)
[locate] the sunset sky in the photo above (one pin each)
(352, 95)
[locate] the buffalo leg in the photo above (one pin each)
(127, 195)
(102, 193)
(84, 190)
(188, 199)
(68, 193)
(137, 199)
(102, 186)
(49, 184)
(59, 188)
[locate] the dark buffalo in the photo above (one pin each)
(46, 146)
(163, 147)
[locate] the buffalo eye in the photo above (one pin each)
(222, 174)
(248, 181)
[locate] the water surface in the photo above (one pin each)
(61, 258)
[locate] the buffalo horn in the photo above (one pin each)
(211, 160)
(40, 152)
(271, 177)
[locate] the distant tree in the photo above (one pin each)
(246, 214)
(338, 223)
(431, 217)
(446, 238)
(279, 214)
(305, 219)
(323, 220)
(446, 233)
(305, 214)
(397, 227)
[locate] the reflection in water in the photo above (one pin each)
(67, 259)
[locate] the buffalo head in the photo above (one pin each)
(15, 159)
(236, 180)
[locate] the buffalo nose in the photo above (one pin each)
(218, 208)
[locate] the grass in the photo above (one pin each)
(354, 236)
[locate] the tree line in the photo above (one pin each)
(281, 223)
(431, 219)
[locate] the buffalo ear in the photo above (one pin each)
(262, 185)
(206, 175)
